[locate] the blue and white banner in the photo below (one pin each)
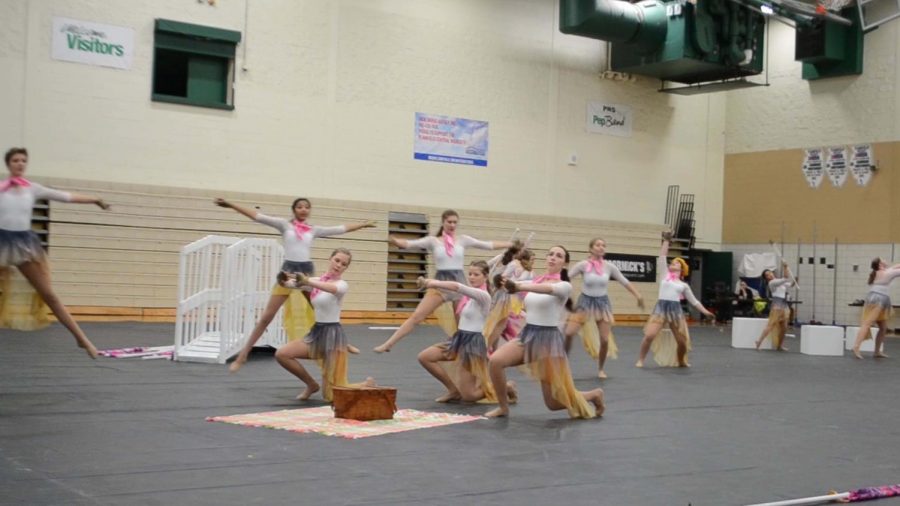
(451, 140)
(861, 162)
(814, 166)
(836, 165)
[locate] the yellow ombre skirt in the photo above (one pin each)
(21, 308)
(546, 361)
(328, 347)
(665, 346)
(467, 351)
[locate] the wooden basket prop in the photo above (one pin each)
(364, 404)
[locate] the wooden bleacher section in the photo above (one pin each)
(122, 265)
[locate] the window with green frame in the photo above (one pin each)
(194, 64)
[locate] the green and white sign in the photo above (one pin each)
(92, 43)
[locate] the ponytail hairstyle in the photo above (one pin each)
(564, 275)
(523, 254)
(510, 253)
(876, 264)
(526, 255)
(446, 214)
(764, 286)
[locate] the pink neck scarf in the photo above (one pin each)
(323, 279)
(545, 277)
(449, 243)
(672, 276)
(14, 181)
(595, 265)
(465, 300)
(301, 227)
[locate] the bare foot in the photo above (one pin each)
(238, 363)
(89, 348)
(639, 363)
(370, 382)
(352, 349)
(597, 395)
(310, 389)
(784, 348)
(684, 364)
(856, 353)
(449, 396)
(512, 392)
(880, 354)
(497, 413)
(602, 374)
(381, 348)
(758, 344)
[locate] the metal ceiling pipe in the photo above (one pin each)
(643, 24)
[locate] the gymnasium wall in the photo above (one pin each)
(792, 113)
(767, 197)
(837, 280)
(127, 258)
(766, 189)
(326, 104)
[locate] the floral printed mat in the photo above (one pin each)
(321, 420)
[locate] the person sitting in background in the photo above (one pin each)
(744, 292)
(743, 299)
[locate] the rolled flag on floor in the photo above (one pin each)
(145, 352)
(858, 495)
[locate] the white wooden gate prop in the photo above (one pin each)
(223, 286)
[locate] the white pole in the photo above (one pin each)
(781, 258)
(834, 284)
(528, 240)
(806, 500)
(815, 261)
(797, 295)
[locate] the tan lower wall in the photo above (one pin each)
(167, 315)
(128, 257)
(764, 190)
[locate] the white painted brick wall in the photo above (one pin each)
(851, 285)
(793, 113)
(326, 109)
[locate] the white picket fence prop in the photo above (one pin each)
(197, 321)
(223, 286)
(251, 266)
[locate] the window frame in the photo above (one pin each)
(199, 41)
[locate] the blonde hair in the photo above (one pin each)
(344, 251)
(685, 270)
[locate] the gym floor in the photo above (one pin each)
(739, 427)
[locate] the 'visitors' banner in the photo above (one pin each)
(92, 43)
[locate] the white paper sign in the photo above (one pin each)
(836, 165)
(609, 119)
(814, 167)
(92, 43)
(861, 163)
